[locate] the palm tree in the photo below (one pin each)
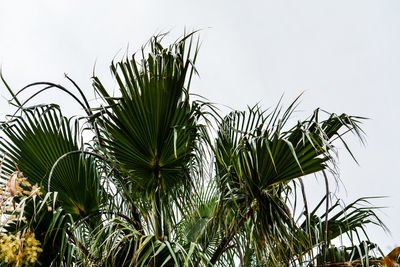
(166, 180)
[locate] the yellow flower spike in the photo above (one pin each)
(20, 249)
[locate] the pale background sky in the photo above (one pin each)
(345, 55)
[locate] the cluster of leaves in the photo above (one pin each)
(167, 181)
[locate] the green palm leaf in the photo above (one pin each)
(257, 155)
(151, 130)
(36, 140)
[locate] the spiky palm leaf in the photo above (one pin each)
(256, 156)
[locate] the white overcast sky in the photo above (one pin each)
(344, 54)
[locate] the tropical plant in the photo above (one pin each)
(166, 180)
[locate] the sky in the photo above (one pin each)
(344, 55)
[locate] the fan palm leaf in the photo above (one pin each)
(36, 140)
(151, 129)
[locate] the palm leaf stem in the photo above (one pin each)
(326, 216)
(48, 86)
(157, 215)
(307, 216)
(9, 89)
(89, 109)
(86, 107)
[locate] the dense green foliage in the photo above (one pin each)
(166, 180)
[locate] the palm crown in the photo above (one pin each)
(168, 181)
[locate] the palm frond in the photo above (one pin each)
(36, 140)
